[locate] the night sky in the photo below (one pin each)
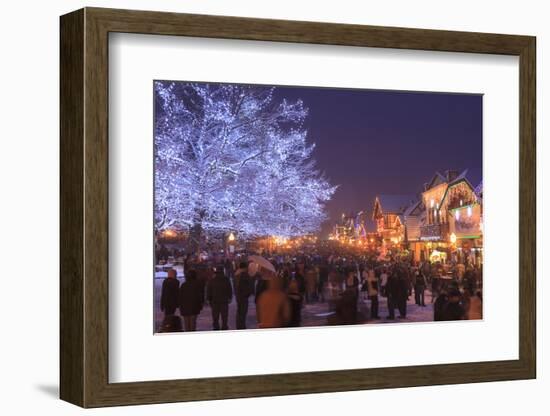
(373, 142)
(388, 142)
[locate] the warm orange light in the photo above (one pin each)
(453, 238)
(279, 240)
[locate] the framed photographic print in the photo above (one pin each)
(291, 207)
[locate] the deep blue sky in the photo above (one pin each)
(388, 142)
(373, 142)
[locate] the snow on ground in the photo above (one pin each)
(314, 314)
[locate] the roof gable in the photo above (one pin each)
(437, 179)
(479, 189)
(460, 178)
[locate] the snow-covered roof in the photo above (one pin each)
(436, 180)
(479, 189)
(412, 207)
(460, 177)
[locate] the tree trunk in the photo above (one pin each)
(195, 234)
(156, 246)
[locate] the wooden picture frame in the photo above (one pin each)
(84, 207)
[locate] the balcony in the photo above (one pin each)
(434, 232)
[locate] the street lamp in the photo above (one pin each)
(230, 245)
(452, 238)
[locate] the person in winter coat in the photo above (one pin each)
(383, 282)
(352, 283)
(453, 310)
(398, 291)
(171, 323)
(311, 280)
(469, 280)
(273, 307)
(364, 273)
(244, 287)
(372, 291)
(436, 286)
(300, 278)
(334, 287)
(261, 286)
(403, 293)
(296, 300)
(169, 294)
(391, 294)
(191, 300)
(346, 309)
(323, 279)
(439, 304)
(420, 284)
(475, 307)
(426, 268)
(219, 294)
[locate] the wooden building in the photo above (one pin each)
(388, 215)
(452, 224)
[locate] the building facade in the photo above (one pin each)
(452, 227)
(415, 219)
(351, 227)
(388, 216)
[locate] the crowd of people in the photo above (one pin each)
(339, 280)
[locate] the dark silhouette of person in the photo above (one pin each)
(219, 294)
(169, 294)
(244, 287)
(191, 300)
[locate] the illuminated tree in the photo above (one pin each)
(231, 158)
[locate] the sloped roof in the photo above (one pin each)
(479, 189)
(461, 177)
(437, 176)
(395, 204)
(412, 207)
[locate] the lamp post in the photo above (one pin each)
(452, 239)
(231, 240)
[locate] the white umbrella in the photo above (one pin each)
(260, 262)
